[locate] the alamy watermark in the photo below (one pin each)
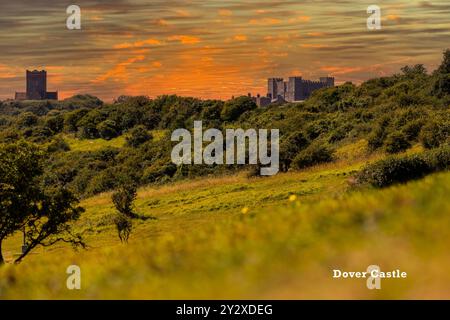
(235, 147)
(74, 279)
(73, 22)
(374, 21)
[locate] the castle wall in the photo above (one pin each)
(298, 89)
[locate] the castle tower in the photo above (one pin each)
(275, 87)
(36, 85)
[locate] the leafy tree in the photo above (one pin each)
(107, 129)
(234, 108)
(442, 82)
(55, 123)
(290, 147)
(138, 136)
(25, 204)
(315, 154)
(123, 200)
(444, 68)
(27, 119)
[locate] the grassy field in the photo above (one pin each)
(99, 144)
(238, 237)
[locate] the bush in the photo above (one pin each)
(412, 129)
(27, 119)
(59, 144)
(313, 155)
(397, 142)
(138, 136)
(290, 147)
(234, 108)
(434, 134)
(400, 169)
(107, 129)
(439, 159)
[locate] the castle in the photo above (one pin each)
(296, 89)
(36, 87)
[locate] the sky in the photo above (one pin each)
(211, 48)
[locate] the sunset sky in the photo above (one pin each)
(212, 48)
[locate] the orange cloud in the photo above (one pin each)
(182, 13)
(184, 39)
(315, 34)
(300, 19)
(138, 44)
(393, 17)
(240, 37)
(334, 70)
(265, 21)
(161, 22)
(225, 13)
(146, 69)
(314, 46)
(119, 72)
(6, 72)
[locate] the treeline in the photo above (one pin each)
(391, 113)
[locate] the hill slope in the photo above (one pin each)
(204, 246)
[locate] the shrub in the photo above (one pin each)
(439, 159)
(434, 134)
(397, 142)
(138, 136)
(27, 119)
(59, 144)
(412, 129)
(107, 129)
(234, 108)
(400, 169)
(313, 155)
(290, 147)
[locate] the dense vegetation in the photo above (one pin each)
(391, 113)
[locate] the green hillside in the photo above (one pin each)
(204, 245)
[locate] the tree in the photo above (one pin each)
(290, 147)
(444, 68)
(442, 80)
(138, 136)
(234, 108)
(123, 200)
(107, 129)
(25, 204)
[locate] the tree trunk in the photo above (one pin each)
(2, 261)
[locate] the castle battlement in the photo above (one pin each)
(295, 88)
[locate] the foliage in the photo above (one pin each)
(234, 108)
(315, 154)
(44, 213)
(138, 135)
(123, 199)
(400, 169)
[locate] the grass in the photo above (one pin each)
(203, 246)
(99, 144)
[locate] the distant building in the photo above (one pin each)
(276, 87)
(36, 87)
(260, 101)
(296, 88)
